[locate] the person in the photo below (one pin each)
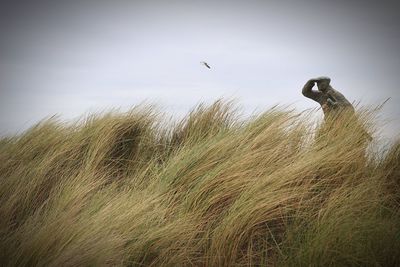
(334, 105)
(329, 98)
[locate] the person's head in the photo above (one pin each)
(323, 83)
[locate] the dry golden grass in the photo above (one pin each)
(212, 190)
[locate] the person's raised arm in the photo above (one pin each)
(308, 92)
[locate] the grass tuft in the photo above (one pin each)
(132, 189)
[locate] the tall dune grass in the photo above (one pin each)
(132, 189)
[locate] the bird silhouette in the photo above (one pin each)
(205, 64)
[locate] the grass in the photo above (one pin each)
(133, 189)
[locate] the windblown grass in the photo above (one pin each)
(211, 190)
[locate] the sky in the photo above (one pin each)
(74, 57)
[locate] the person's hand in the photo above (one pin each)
(312, 81)
(322, 78)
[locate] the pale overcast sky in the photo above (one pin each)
(74, 57)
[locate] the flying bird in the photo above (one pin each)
(205, 64)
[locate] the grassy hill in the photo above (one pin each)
(132, 189)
